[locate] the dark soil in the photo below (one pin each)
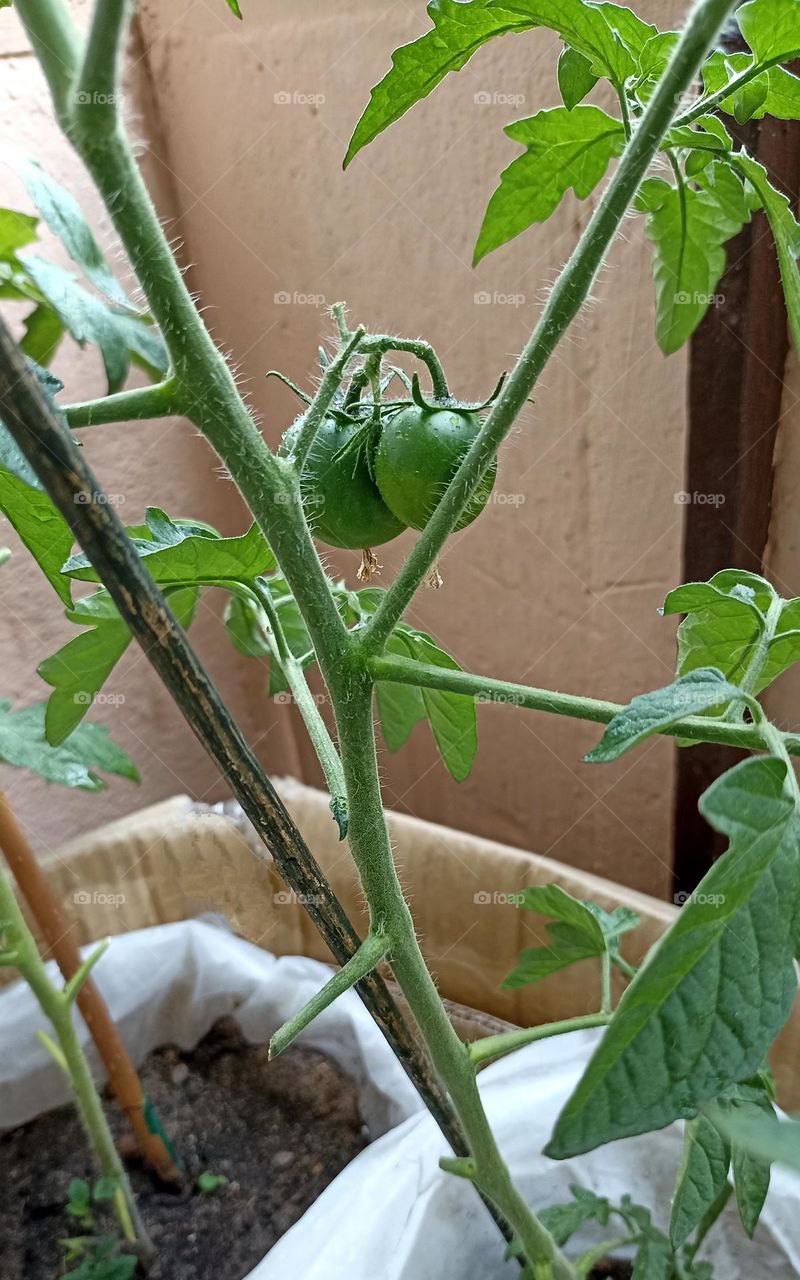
(279, 1131)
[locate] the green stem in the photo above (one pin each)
(369, 955)
(605, 983)
(399, 670)
(507, 1041)
(566, 300)
(306, 704)
(330, 384)
(372, 852)
(56, 1006)
(95, 107)
(157, 401)
(704, 105)
(57, 46)
(629, 970)
(382, 344)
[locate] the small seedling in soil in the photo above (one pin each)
(209, 1183)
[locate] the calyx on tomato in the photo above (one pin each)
(418, 453)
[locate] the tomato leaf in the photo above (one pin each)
(751, 1172)
(785, 232)
(563, 149)
(578, 931)
(702, 1176)
(762, 1138)
(452, 716)
(38, 524)
(697, 691)
(182, 553)
(233, 5)
(75, 763)
(771, 28)
(777, 89)
(608, 35)
(705, 1007)
(575, 77)
(687, 228)
(78, 670)
(64, 218)
(242, 622)
(400, 706)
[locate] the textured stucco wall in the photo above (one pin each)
(558, 584)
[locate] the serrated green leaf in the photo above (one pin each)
(699, 690)
(785, 232)
(703, 1010)
(687, 230)
(75, 763)
(563, 1220)
(242, 622)
(702, 1176)
(771, 28)
(190, 554)
(654, 1259)
(652, 61)
(563, 149)
(64, 218)
(43, 332)
(452, 716)
(767, 1141)
(84, 316)
(575, 933)
(749, 99)
(781, 89)
(38, 524)
(400, 706)
(16, 230)
(575, 77)
(751, 1179)
(609, 35)
(78, 670)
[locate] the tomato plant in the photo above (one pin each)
(357, 471)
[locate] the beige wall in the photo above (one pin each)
(558, 584)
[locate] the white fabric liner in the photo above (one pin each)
(391, 1214)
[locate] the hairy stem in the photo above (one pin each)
(709, 103)
(372, 852)
(507, 1041)
(567, 298)
(398, 670)
(306, 704)
(157, 401)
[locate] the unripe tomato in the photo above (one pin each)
(418, 454)
(341, 500)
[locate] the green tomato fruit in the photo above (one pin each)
(341, 501)
(418, 454)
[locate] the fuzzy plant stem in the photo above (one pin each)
(57, 1006)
